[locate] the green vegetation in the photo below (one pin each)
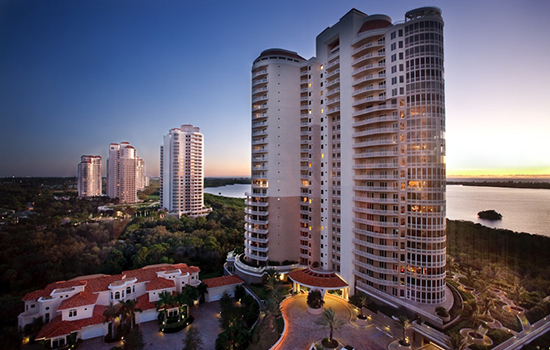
(223, 181)
(236, 320)
(41, 249)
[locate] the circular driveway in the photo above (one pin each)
(302, 331)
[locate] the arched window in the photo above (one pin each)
(117, 295)
(128, 290)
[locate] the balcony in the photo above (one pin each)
(375, 200)
(257, 257)
(259, 150)
(258, 82)
(249, 194)
(368, 56)
(375, 154)
(369, 100)
(373, 279)
(383, 107)
(257, 74)
(374, 268)
(249, 237)
(375, 211)
(375, 246)
(261, 98)
(375, 143)
(375, 189)
(259, 107)
(255, 212)
(252, 229)
(376, 166)
(259, 124)
(251, 202)
(368, 233)
(259, 177)
(332, 64)
(375, 223)
(333, 101)
(258, 90)
(333, 110)
(256, 248)
(379, 119)
(259, 141)
(332, 92)
(368, 45)
(369, 78)
(260, 133)
(362, 90)
(365, 68)
(375, 257)
(374, 131)
(332, 74)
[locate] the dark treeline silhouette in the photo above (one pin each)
(509, 184)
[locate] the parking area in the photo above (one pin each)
(206, 320)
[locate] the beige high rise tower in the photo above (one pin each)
(348, 161)
(89, 176)
(124, 168)
(182, 172)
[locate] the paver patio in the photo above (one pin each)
(302, 331)
(206, 321)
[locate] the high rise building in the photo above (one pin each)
(89, 176)
(182, 172)
(125, 172)
(348, 160)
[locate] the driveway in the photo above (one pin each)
(206, 321)
(302, 330)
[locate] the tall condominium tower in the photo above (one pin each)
(348, 160)
(89, 176)
(182, 172)
(124, 171)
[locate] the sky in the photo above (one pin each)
(76, 76)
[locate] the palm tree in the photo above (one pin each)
(192, 340)
(329, 320)
(517, 292)
(315, 299)
(203, 290)
(110, 314)
(456, 343)
(130, 309)
(165, 301)
(272, 279)
(486, 302)
(188, 296)
(405, 324)
(361, 301)
(471, 275)
(272, 311)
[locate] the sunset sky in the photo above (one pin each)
(78, 75)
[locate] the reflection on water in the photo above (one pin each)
(523, 210)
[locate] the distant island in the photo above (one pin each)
(509, 184)
(489, 215)
(223, 181)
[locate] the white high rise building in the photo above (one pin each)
(348, 161)
(124, 171)
(182, 172)
(89, 176)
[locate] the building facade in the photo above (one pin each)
(182, 172)
(89, 176)
(77, 306)
(125, 172)
(348, 158)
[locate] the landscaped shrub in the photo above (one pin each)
(499, 336)
(507, 319)
(315, 299)
(538, 312)
(441, 311)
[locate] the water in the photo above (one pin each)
(235, 191)
(523, 210)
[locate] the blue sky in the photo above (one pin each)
(78, 75)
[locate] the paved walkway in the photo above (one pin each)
(206, 320)
(302, 330)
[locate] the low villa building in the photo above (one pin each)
(77, 305)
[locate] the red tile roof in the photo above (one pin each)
(311, 278)
(223, 281)
(80, 299)
(57, 327)
(159, 283)
(35, 295)
(143, 303)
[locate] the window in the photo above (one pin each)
(72, 313)
(128, 290)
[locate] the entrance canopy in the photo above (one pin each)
(318, 279)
